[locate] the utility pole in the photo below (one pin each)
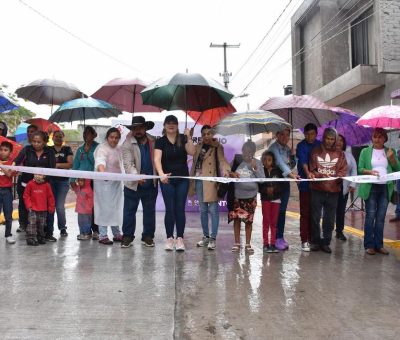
(226, 74)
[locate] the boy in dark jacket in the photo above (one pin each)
(270, 200)
(39, 200)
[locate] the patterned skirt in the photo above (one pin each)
(243, 209)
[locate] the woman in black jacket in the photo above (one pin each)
(35, 155)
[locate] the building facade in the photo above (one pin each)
(347, 52)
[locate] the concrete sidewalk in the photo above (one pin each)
(85, 290)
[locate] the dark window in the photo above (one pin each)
(361, 35)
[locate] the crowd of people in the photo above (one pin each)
(101, 204)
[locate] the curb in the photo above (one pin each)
(354, 231)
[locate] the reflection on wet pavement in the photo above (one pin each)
(73, 289)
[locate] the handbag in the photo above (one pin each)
(222, 188)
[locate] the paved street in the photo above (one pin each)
(78, 290)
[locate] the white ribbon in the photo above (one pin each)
(109, 176)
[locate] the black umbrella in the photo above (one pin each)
(49, 91)
(186, 91)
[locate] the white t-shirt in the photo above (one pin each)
(379, 162)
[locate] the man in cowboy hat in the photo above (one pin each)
(137, 156)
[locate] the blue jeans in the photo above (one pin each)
(206, 207)
(85, 224)
(148, 196)
(60, 191)
(103, 231)
(397, 211)
(175, 194)
(6, 204)
(285, 192)
(375, 208)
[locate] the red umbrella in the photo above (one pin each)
(300, 110)
(44, 125)
(16, 147)
(124, 94)
(212, 116)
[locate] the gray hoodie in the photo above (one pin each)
(250, 189)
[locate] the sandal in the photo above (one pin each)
(248, 249)
(236, 247)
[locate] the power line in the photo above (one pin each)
(262, 40)
(83, 41)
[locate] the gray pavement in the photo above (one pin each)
(77, 290)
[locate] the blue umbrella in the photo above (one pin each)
(21, 132)
(82, 109)
(346, 126)
(6, 104)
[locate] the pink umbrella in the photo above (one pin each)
(387, 117)
(124, 94)
(300, 110)
(395, 94)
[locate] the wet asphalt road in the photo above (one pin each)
(77, 290)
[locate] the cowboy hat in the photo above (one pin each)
(139, 120)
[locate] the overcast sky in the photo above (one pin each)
(154, 37)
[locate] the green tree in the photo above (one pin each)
(14, 117)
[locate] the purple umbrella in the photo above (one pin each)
(395, 94)
(346, 126)
(124, 94)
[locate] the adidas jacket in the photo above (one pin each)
(327, 163)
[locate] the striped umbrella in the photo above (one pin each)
(387, 117)
(251, 123)
(300, 110)
(395, 94)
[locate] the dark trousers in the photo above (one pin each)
(6, 204)
(285, 193)
(36, 224)
(305, 216)
(94, 227)
(148, 197)
(60, 191)
(175, 194)
(375, 212)
(326, 202)
(22, 212)
(340, 211)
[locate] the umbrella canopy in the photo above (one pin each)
(251, 123)
(346, 126)
(124, 94)
(387, 117)
(82, 109)
(21, 132)
(395, 94)
(211, 116)
(49, 91)
(6, 103)
(300, 110)
(44, 125)
(186, 91)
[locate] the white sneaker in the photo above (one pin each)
(10, 240)
(179, 246)
(305, 246)
(169, 245)
(212, 244)
(204, 242)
